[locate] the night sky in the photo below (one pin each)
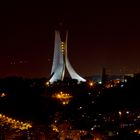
(101, 34)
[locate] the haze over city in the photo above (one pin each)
(100, 35)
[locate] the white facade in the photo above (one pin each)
(61, 61)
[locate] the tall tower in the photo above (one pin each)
(61, 61)
(103, 76)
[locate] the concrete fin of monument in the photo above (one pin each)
(61, 61)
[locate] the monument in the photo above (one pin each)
(61, 61)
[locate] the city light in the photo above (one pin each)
(120, 113)
(63, 97)
(47, 83)
(91, 83)
(3, 94)
(137, 131)
(14, 124)
(54, 128)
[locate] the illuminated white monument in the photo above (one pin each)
(61, 61)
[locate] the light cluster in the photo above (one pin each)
(63, 97)
(62, 47)
(14, 124)
(54, 128)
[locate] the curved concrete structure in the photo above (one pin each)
(61, 61)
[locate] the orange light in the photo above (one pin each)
(91, 83)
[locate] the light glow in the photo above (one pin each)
(63, 97)
(14, 124)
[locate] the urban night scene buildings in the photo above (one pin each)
(101, 102)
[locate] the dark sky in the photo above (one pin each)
(101, 34)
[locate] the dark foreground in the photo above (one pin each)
(67, 110)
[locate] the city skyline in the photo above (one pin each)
(107, 35)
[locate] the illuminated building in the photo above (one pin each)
(61, 61)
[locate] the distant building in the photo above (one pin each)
(103, 76)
